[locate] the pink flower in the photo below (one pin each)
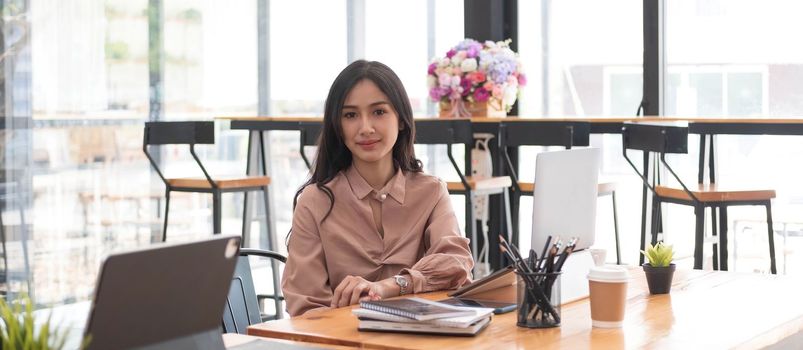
(451, 53)
(481, 95)
(438, 92)
(444, 80)
(489, 85)
(431, 69)
(511, 80)
(497, 92)
(476, 77)
(466, 85)
(522, 80)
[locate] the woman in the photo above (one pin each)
(369, 223)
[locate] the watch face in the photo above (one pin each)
(401, 281)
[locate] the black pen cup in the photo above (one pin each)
(538, 299)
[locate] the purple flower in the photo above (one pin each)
(432, 67)
(451, 53)
(500, 68)
(438, 92)
(466, 85)
(472, 52)
(469, 43)
(481, 95)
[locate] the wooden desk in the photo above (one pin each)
(706, 309)
(706, 127)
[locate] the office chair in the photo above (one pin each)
(192, 133)
(242, 303)
(549, 133)
(663, 138)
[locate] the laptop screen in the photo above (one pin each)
(565, 196)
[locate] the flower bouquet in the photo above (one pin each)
(476, 79)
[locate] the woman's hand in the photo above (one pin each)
(355, 288)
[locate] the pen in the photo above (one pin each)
(546, 246)
(532, 286)
(566, 251)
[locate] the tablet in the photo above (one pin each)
(499, 307)
(499, 279)
(474, 294)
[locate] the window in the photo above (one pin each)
(210, 59)
(306, 54)
(584, 58)
(89, 71)
(733, 58)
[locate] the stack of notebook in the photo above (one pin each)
(418, 315)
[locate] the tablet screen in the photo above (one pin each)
(498, 306)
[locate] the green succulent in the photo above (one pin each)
(659, 255)
(19, 331)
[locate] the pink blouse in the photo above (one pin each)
(421, 238)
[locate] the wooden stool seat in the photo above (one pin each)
(222, 182)
(481, 184)
(603, 188)
(716, 193)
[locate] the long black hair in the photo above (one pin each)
(333, 155)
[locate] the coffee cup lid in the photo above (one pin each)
(608, 274)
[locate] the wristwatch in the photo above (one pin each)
(403, 283)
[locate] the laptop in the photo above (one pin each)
(565, 206)
(170, 296)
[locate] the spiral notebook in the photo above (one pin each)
(425, 328)
(457, 322)
(416, 308)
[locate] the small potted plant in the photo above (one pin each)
(21, 330)
(659, 269)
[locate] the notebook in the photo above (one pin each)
(458, 322)
(428, 328)
(416, 308)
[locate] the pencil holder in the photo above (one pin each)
(538, 299)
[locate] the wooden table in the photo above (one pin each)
(706, 309)
(706, 127)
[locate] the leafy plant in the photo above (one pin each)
(659, 255)
(19, 330)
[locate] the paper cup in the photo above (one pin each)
(608, 295)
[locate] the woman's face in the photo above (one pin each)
(370, 124)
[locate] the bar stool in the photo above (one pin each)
(192, 133)
(662, 138)
(459, 132)
(550, 133)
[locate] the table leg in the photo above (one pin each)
(251, 169)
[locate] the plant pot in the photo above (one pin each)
(474, 109)
(659, 279)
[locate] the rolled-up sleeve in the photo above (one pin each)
(447, 260)
(305, 282)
